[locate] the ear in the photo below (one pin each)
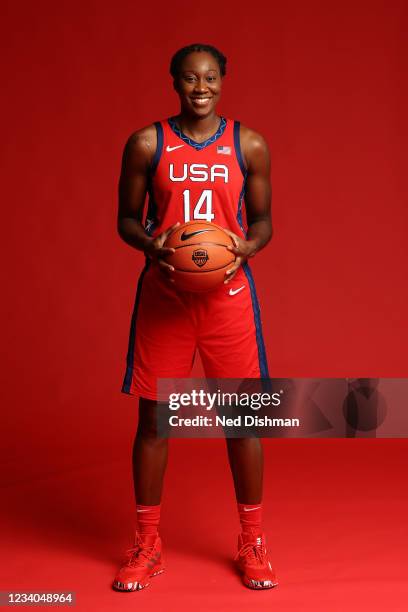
(175, 86)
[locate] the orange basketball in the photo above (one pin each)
(201, 258)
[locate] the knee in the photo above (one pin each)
(237, 444)
(146, 437)
(148, 427)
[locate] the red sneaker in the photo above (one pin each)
(253, 562)
(143, 561)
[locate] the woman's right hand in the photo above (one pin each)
(156, 251)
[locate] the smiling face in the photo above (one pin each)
(199, 84)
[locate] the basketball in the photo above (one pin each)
(201, 257)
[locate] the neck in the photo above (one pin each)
(198, 128)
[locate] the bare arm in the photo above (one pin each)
(258, 189)
(136, 163)
(257, 200)
(137, 158)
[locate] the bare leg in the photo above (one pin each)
(246, 461)
(149, 456)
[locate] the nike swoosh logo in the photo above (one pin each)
(249, 509)
(233, 292)
(173, 148)
(185, 235)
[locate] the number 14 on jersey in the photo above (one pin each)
(202, 209)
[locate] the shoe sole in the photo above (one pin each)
(258, 585)
(129, 587)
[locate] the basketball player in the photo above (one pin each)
(168, 326)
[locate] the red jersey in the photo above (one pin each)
(196, 181)
(188, 181)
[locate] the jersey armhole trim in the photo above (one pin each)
(237, 145)
(159, 148)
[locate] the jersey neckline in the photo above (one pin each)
(198, 145)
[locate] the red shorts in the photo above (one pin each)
(168, 327)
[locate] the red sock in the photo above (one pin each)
(250, 516)
(148, 518)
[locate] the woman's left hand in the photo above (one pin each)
(242, 249)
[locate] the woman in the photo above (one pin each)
(161, 161)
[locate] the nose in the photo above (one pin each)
(201, 85)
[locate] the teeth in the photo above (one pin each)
(200, 101)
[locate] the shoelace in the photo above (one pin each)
(255, 553)
(138, 554)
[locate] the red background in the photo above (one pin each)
(325, 83)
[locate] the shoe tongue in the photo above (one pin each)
(148, 538)
(252, 536)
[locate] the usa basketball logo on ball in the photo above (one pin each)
(201, 257)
